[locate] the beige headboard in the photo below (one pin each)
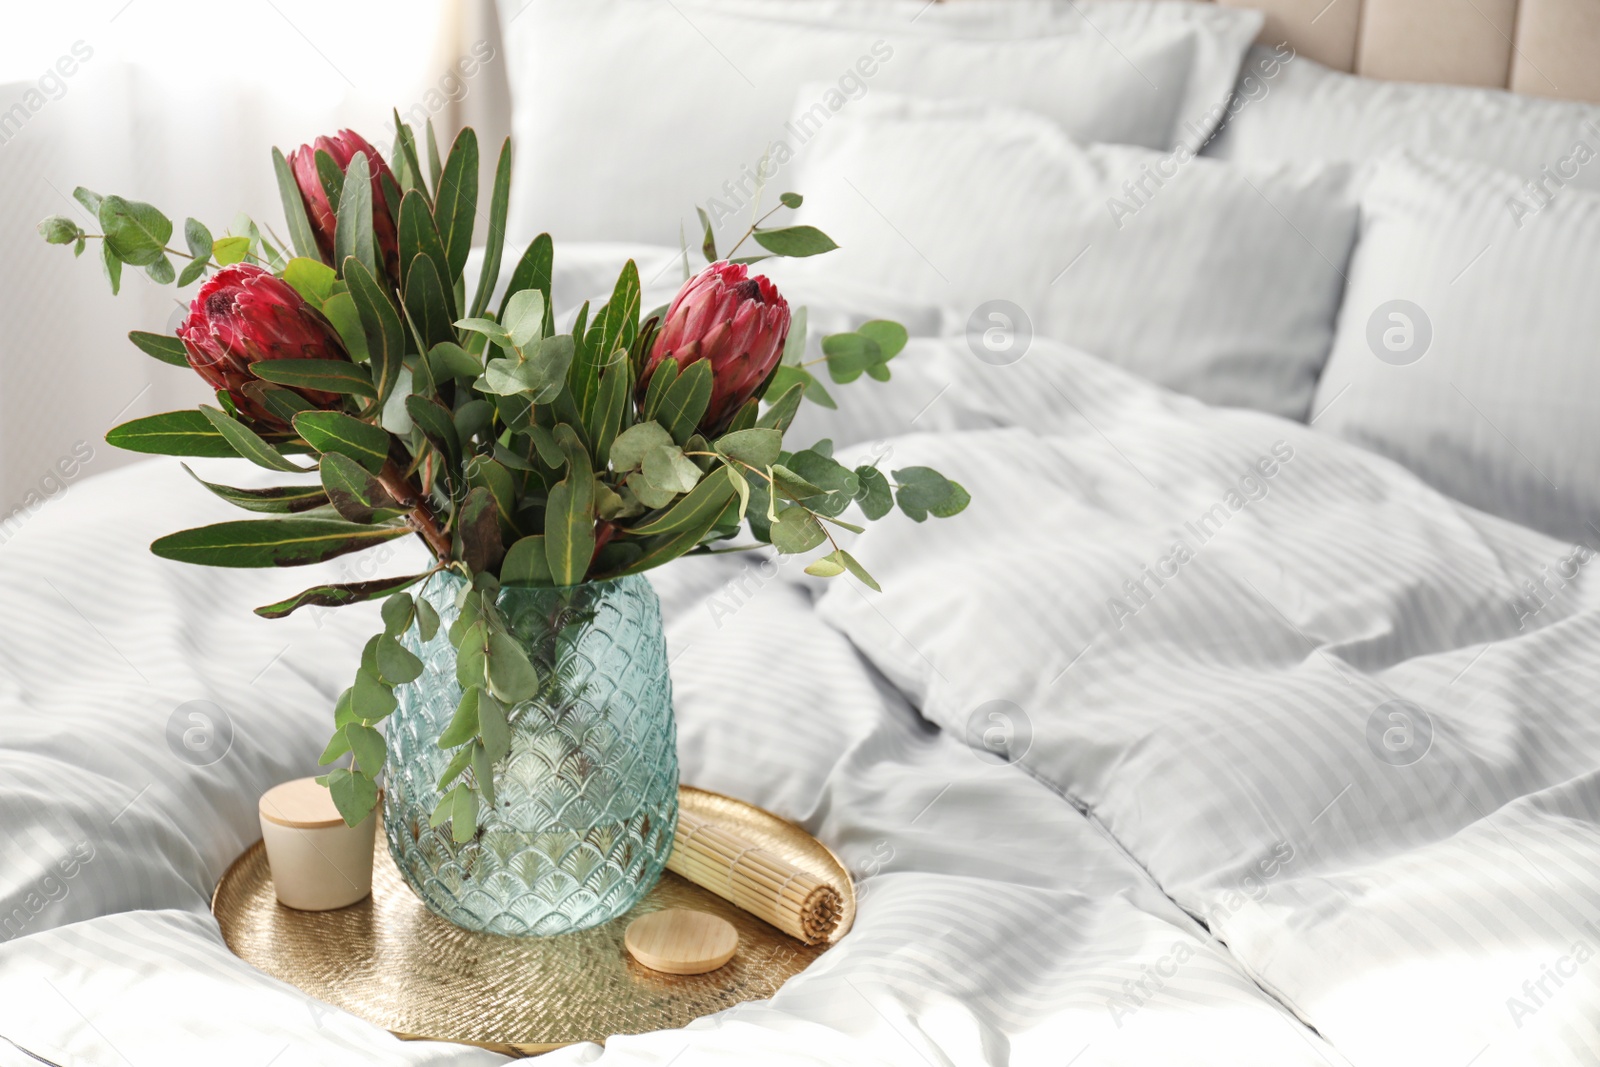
(1543, 47)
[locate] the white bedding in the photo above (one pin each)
(1043, 905)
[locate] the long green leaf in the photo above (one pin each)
(434, 420)
(355, 494)
(686, 400)
(271, 542)
(456, 201)
(334, 431)
(386, 340)
(427, 305)
(247, 443)
(569, 514)
(161, 346)
(324, 375)
(409, 170)
(294, 210)
(613, 331)
(334, 596)
(606, 419)
(670, 546)
(352, 232)
(278, 500)
(533, 271)
(709, 498)
(496, 240)
(418, 236)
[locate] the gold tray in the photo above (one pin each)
(391, 961)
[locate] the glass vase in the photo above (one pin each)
(586, 801)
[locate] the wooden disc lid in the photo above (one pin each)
(680, 941)
(302, 804)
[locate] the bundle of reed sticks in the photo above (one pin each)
(762, 883)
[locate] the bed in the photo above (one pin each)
(1248, 715)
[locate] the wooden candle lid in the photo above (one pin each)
(679, 941)
(301, 804)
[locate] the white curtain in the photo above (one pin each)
(177, 103)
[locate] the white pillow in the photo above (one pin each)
(630, 113)
(1215, 281)
(1467, 343)
(1296, 109)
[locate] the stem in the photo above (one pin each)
(420, 515)
(752, 230)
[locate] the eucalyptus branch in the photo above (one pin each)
(752, 230)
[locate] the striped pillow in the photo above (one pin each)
(1466, 347)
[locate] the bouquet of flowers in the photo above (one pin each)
(519, 454)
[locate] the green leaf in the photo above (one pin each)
(427, 305)
(355, 795)
(609, 410)
(407, 168)
(463, 725)
(483, 773)
(758, 448)
(172, 433)
(489, 328)
(247, 443)
(953, 504)
(191, 271)
(511, 675)
(493, 728)
(478, 525)
(355, 494)
(686, 400)
(396, 664)
(569, 514)
(301, 235)
(427, 620)
(526, 563)
(631, 446)
(279, 500)
(849, 355)
(60, 230)
(89, 199)
(336, 596)
(890, 337)
(790, 200)
(398, 612)
(453, 770)
(385, 333)
(471, 655)
(463, 815)
(113, 267)
(796, 530)
(368, 747)
(198, 238)
(417, 235)
(708, 243)
(456, 200)
(533, 271)
(666, 468)
(334, 431)
(614, 330)
(161, 271)
(434, 420)
(661, 379)
(495, 242)
(873, 493)
(134, 231)
(230, 250)
(523, 318)
(709, 499)
(271, 542)
(667, 547)
(311, 278)
(920, 490)
(324, 375)
(449, 360)
(352, 233)
(161, 346)
(795, 241)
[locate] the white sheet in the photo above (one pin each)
(1038, 911)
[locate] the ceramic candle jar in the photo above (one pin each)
(318, 863)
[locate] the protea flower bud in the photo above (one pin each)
(244, 314)
(342, 147)
(738, 323)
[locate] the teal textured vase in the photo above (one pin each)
(586, 801)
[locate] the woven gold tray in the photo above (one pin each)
(391, 961)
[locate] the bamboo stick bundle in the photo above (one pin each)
(762, 883)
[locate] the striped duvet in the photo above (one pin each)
(1200, 738)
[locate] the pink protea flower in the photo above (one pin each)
(244, 314)
(737, 322)
(343, 146)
